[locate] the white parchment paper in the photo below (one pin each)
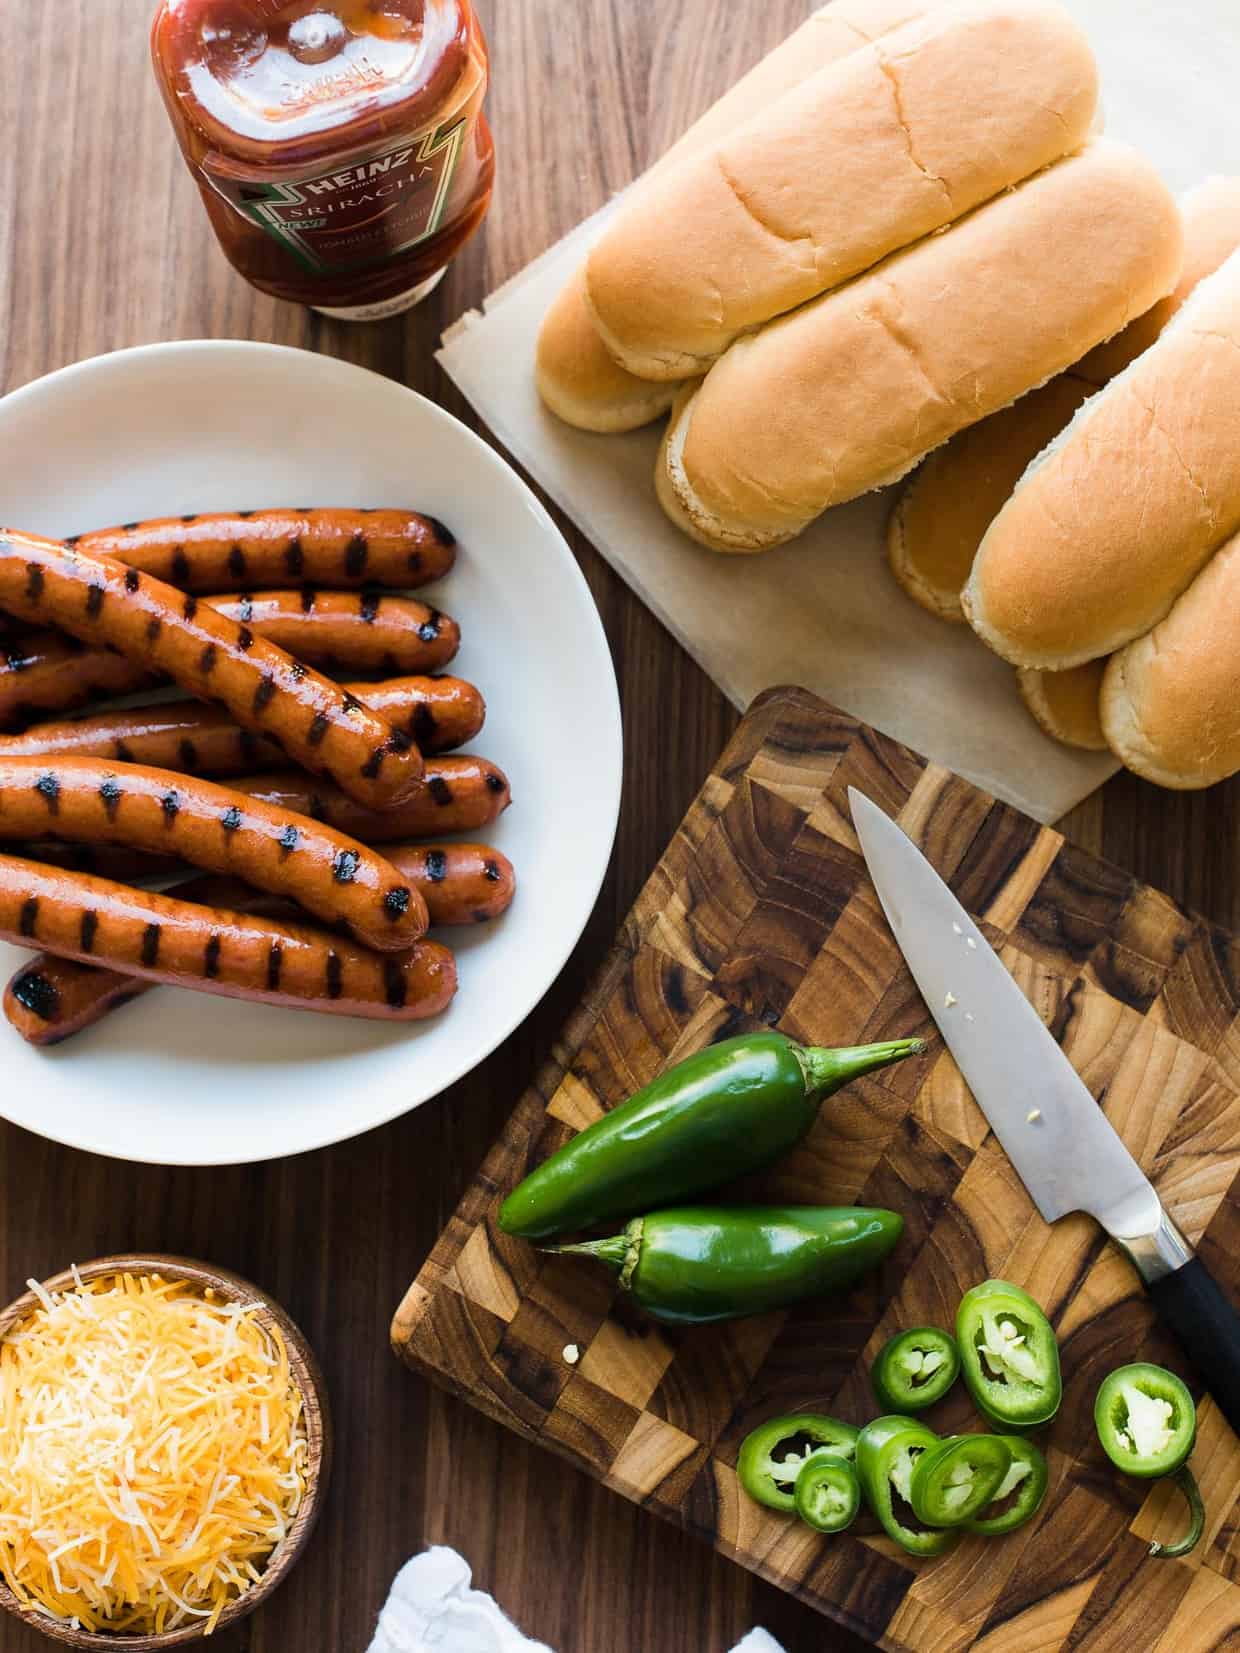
(824, 611)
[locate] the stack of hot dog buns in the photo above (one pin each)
(577, 377)
(899, 224)
(943, 512)
(1119, 541)
(232, 609)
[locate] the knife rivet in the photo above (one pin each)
(949, 1001)
(1032, 1117)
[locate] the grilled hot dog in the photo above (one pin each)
(457, 794)
(50, 999)
(44, 671)
(158, 628)
(439, 712)
(274, 848)
(212, 950)
(460, 883)
(348, 630)
(223, 550)
(118, 861)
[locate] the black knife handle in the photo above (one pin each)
(1208, 1329)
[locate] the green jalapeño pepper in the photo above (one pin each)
(731, 1108)
(955, 1480)
(1147, 1423)
(1019, 1495)
(827, 1492)
(1008, 1355)
(772, 1455)
(915, 1369)
(696, 1264)
(887, 1453)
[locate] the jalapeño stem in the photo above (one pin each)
(827, 1069)
(613, 1251)
(1187, 1483)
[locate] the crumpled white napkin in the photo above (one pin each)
(432, 1609)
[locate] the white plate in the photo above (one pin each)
(184, 1078)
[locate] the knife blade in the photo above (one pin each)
(1067, 1153)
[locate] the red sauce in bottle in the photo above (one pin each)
(339, 145)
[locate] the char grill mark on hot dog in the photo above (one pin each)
(158, 938)
(361, 752)
(216, 551)
(272, 847)
(457, 794)
(52, 998)
(35, 992)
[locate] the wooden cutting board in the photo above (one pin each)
(761, 914)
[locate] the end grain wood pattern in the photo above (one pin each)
(761, 914)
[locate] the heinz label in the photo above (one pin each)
(359, 214)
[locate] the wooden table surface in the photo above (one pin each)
(103, 244)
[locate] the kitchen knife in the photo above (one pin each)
(1069, 1156)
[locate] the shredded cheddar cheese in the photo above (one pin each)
(152, 1453)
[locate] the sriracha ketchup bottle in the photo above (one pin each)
(339, 145)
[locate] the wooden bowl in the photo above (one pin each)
(317, 1421)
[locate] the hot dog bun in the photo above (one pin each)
(942, 512)
(1211, 214)
(831, 33)
(946, 507)
(1065, 704)
(866, 156)
(576, 377)
(578, 380)
(849, 392)
(1171, 700)
(1114, 520)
